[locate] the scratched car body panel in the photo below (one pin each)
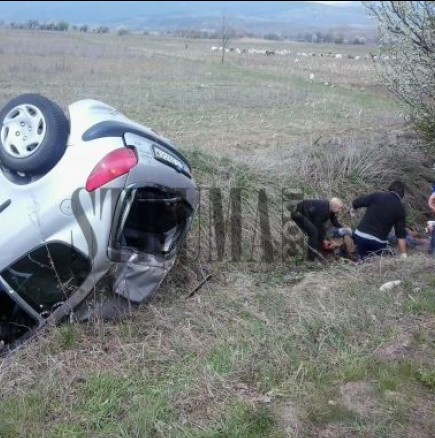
(120, 194)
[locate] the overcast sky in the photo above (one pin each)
(337, 3)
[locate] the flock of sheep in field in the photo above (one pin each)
(285, 52)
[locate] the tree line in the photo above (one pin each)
(58, 26)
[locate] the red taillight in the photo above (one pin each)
(117, 163)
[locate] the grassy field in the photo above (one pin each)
(262, 350)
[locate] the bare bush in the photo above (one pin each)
(348, 167)
(406, 58)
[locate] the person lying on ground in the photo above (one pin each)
(340, 245)
(414, 240)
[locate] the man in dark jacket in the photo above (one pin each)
(311, 216)
(385, 210)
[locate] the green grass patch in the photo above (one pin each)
(423, 302)
(105, 400)
(323, 413)
(64, 338)
(354, 366)
(24, 416)
(394, 376)
(68, 431)
(426, 378)
(121, 405)
(241, 421)
(225, 358)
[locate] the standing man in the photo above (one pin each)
(431, 203)
(311, 216)
(385, 210)
(431, 200)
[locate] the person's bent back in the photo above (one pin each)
(385, 210)
(311, 216)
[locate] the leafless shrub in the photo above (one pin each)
(406, 57)
(347, 166)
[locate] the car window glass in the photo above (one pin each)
(47, 276)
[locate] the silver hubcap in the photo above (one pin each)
(23, 131)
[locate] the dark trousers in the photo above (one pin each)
(368, 247)
(315, 235)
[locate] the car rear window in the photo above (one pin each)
(157, 222)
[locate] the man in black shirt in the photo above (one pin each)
(311, 216)
(384, 211)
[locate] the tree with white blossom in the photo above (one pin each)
(406, 58)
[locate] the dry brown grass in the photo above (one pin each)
(259, 338)
(261, 349)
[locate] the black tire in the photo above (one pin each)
(33, 134)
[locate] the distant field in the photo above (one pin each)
(304, 116)
(252, 101)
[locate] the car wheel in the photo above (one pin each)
(33, 134)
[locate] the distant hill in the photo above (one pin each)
(253, 16)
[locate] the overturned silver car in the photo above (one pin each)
(79, 196)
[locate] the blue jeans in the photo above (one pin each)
(432, 242)
(368, 247)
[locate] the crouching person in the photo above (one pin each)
(384, 210)
(311, 216)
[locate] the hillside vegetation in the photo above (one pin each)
(264, 348)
